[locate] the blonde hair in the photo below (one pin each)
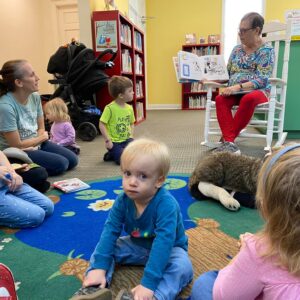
(58, 109)
(278, 199)
(118, 84)
(157, 150)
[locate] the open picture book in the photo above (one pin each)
(70, 185)
(191, 67)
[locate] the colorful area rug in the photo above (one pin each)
(48, 262)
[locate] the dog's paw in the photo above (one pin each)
(230, 203)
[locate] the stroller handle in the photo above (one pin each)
(107, 51)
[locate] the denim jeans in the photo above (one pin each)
(177, 275)
(54, 158)
(25, 207)
(203, 286)
(117, 150)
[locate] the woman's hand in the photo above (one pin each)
(10, 178)
(95, 277)
(15, 182)
(230, 90)
(44, 136)
(142, 293)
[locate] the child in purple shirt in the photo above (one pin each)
(268, 264)
(62, 131)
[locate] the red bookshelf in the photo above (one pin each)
(193, 94)
(110, 29)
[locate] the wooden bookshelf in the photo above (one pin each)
(110, 29)
(193, 94)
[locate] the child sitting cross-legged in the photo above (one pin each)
(268, 264)
(117, 120)
(62, 131)
(156, 238)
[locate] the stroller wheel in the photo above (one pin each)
(87, 131)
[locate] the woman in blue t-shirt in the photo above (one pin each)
(22, 120)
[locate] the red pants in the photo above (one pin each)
(231, 125)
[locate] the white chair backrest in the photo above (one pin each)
(277, 32)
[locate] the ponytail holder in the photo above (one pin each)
(277, 156)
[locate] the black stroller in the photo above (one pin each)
(79, 75)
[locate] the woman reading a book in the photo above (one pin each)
(21, 206)
(22, 120)
(250, 65)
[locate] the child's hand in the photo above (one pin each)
(108, 144)
(242, 238)
(142, 293)
(95, 277)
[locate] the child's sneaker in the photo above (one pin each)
(124, 295)
(7, 284)
(92, 293)
(107, 157)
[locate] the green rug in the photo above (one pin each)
(48, 262)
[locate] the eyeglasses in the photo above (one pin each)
(244, 30)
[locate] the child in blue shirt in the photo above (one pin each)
(156, 238)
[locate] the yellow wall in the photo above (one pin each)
(165, 36)
(275, 9)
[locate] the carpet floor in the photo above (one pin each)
(49, 262)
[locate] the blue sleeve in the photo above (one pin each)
(265, 64)
(166, 225)
(102, 256)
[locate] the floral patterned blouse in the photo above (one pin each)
(256, 67)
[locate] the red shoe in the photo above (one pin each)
(7, 284)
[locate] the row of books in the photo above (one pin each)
(126, 61)
(139, 89)
(197, 87)
(197, 102)
(125, 34)
(138, 64)
(139, 111)
(138, 43)
(200, 51)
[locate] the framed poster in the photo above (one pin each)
(295, 14)
(106, 35)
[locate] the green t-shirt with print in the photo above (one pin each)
(118, 121)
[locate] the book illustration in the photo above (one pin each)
(71, 185)
(192, 67)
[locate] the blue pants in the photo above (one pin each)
(177, 275)
(54, 158)
(25, 207)
(117, 150)
(203, 286)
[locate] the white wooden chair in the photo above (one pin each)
(268, 117)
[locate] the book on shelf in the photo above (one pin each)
(192, 67)
(70, 185)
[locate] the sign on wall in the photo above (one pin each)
(106, 35)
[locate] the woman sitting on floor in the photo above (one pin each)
(21, 206)
(22, 120)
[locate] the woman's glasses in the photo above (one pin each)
(243, 30)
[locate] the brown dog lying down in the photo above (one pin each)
(218, 172)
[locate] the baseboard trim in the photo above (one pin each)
(163, 106)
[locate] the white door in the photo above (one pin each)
(68, 23)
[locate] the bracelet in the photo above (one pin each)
(241, 86)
